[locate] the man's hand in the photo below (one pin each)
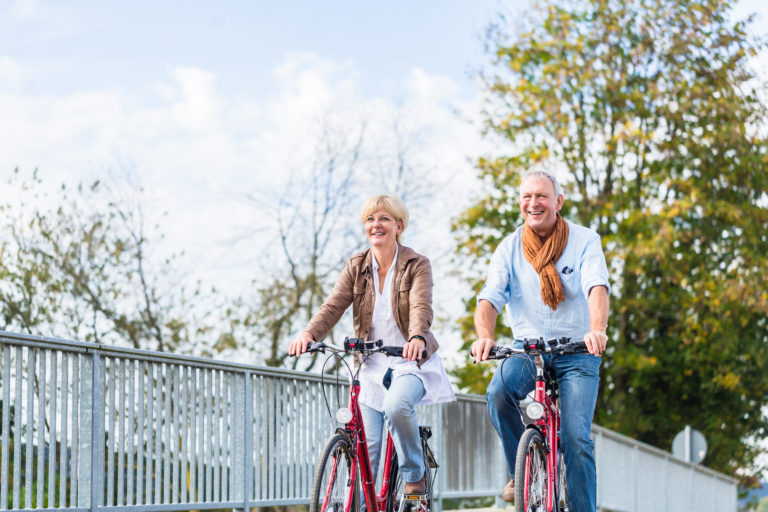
(412, 350)
(598, 320)
(485, 323)
(299, 345)
(596, 341)
(482, 348)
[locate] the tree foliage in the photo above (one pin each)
(75, 264)
(650, 112)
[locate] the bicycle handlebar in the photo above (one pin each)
(538, 346)
(361, 346)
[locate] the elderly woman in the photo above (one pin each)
(390, 289)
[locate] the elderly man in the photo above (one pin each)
(552, 275)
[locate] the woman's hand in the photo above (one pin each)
(299, 345)
(412, 350)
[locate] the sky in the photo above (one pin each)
(205, 102)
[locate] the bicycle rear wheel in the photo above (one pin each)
(396, 483)
(335, 488)
(531, 485)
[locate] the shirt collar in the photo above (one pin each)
(375, 264)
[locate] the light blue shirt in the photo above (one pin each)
(512, 281)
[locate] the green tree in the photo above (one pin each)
(75, 264)
(650, 112)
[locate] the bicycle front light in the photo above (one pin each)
(534, 410)
(344, 415)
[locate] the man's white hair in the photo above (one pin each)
(542, 173)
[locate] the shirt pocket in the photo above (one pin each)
(570, 277)
(405, 284)
(403, 298)
(359, 300)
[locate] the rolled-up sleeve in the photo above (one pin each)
(496, 289)
(334, 306)
(594, 271)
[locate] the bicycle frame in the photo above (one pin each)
(549, 426)
(354, 432)
(361, 461)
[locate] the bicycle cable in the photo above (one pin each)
(531, 370)
(353, 376)
(338, 358)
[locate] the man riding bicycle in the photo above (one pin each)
(552, 275)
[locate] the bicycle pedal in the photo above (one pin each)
(413, 503)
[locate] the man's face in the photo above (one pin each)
(539, 205)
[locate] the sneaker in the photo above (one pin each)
(508, 493)
(418, 487)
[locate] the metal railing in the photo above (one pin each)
(93, 427)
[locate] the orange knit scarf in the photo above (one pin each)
(543, 257)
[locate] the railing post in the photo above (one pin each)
(248, 442)
(97, 437)
(441, 443)
(85, 456)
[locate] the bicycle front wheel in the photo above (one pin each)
(531, 485)
(335, 488)
(562, 485)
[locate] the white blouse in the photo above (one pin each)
(383, 327)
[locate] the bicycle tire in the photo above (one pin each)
(531, 486)
(562, 484)
(333, 476)
(396, 485)
(429, 472)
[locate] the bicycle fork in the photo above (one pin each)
(549, 424)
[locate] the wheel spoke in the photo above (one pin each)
(333, 489)
(531, 471)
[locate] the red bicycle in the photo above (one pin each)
(345, 456)
(539, 460)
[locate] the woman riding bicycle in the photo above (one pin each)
(390, 289)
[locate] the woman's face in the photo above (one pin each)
(382, 229)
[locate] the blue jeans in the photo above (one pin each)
(404, 393)
(578, 376)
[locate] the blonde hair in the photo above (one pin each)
(393, 204)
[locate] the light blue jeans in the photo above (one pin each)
(404, 393)
(578, 376)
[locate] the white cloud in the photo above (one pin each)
(11, 77)
(24, 8)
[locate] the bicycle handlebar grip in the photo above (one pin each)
(580, 346)
(398, 352)
(392, 351)
(315, 346)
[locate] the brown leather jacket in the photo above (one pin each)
(411, 297)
